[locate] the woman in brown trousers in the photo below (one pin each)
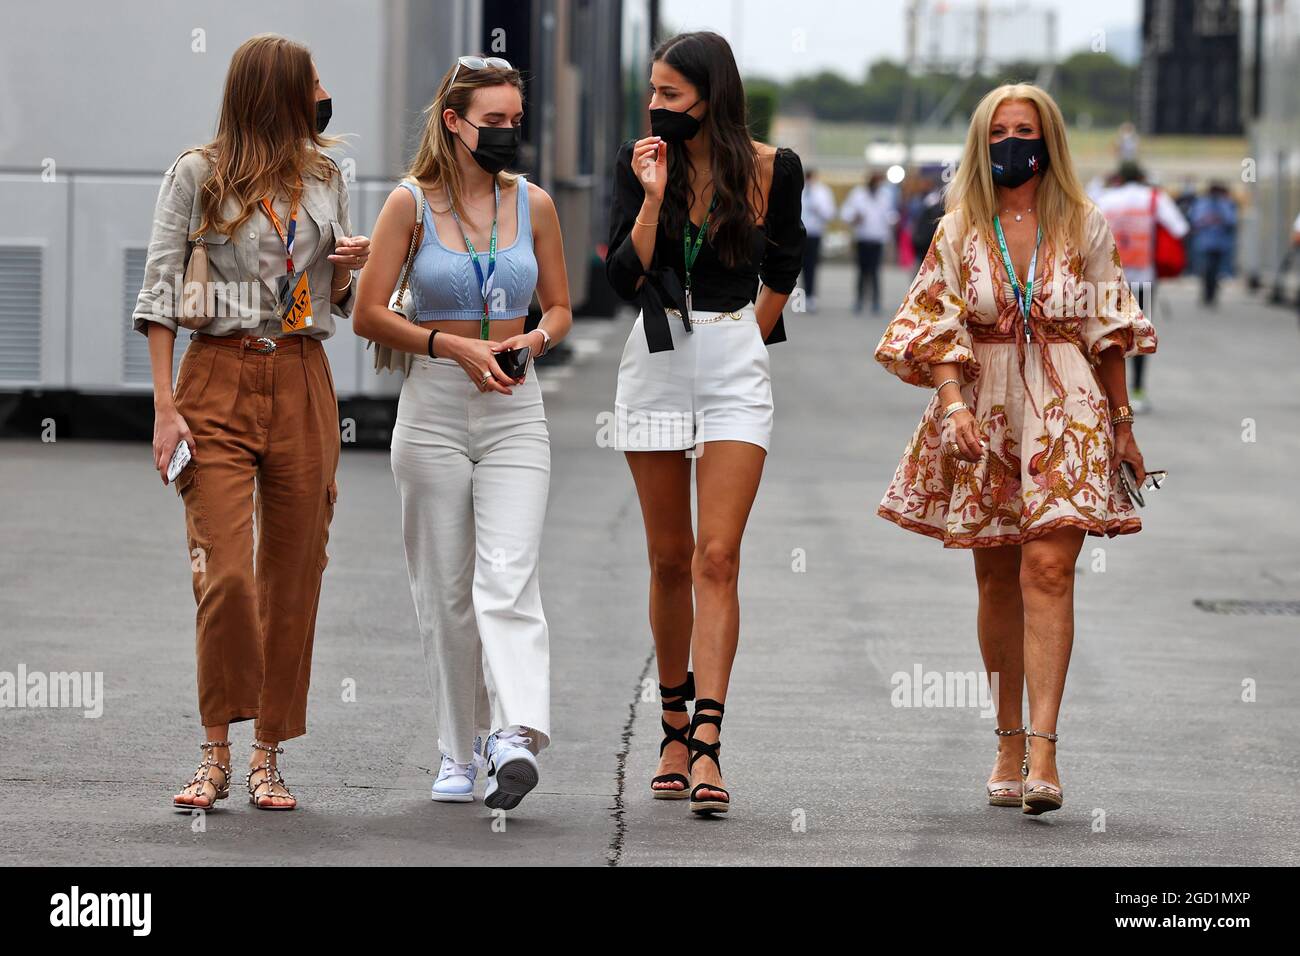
(254, 397)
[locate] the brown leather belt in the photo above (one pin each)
(262, 344)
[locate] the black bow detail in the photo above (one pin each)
(661, 290)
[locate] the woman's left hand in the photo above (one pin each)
(1126, 449)
(350, 252)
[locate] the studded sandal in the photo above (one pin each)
(682, 692)
(707, 805)
(1039, 795)
(203, 777)
(270, 780)
(1006, 793)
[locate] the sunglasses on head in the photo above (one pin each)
(478, 63)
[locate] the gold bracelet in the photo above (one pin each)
(640, 223)
(953, 409)
(1120, 415)
(343, 286)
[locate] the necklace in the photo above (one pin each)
(1020, 216)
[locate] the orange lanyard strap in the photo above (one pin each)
(286, 237)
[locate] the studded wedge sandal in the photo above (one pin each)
(1039, 795)
(203, 778)
(270, 780)
(1006, 793)
(682, 692)
(705, 806)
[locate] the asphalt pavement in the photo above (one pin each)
(1177, 733)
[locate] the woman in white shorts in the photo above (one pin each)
(701, 214)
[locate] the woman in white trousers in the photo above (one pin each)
(471, 449)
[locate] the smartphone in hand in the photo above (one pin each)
(514, 362)
(180, 458)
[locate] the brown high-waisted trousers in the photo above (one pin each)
(266, 438)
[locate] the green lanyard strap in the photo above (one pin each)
(1024, 294)
(485, 282)
(690, 252)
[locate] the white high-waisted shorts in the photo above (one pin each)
(715, 384)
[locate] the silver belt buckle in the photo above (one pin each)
(267, 344)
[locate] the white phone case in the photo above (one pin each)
(180, 458)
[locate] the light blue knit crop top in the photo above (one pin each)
(446, 286)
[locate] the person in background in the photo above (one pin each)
(929, 210)
(1214, 235)
(818, 213)
(1126, 143)
(1133, 208)
(870, 212)
(1295, 248)
(1185, 197)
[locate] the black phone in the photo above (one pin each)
(514, 362)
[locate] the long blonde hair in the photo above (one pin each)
(434, 165)
(266, 136)
(1061, 201)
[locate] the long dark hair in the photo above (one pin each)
(706, 60)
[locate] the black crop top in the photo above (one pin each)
(776, 254)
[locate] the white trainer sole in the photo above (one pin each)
(452, 797)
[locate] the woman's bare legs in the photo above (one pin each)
(663, 485)
(727, 474)
(1047, 586)
(1001, 624)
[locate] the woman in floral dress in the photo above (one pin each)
(1016, 454)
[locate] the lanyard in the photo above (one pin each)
(485, 282)
(1024, 294)
(691, 252)
(285, 237)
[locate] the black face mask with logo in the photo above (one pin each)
(498, 147)
(1016, 160)
(324, 110)
(674, 126)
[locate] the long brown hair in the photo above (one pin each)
(1060, 198)
(434, 164)
(706, 60)
(266, 136)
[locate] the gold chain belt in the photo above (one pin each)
(737, 315)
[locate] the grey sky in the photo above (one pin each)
(845, 36)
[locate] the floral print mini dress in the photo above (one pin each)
(1038, 403)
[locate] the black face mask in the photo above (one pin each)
(498, 146)
(1016, 160)
(324, 110)
(674, 126)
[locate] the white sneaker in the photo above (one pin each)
(512, 770)
(455, 783)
